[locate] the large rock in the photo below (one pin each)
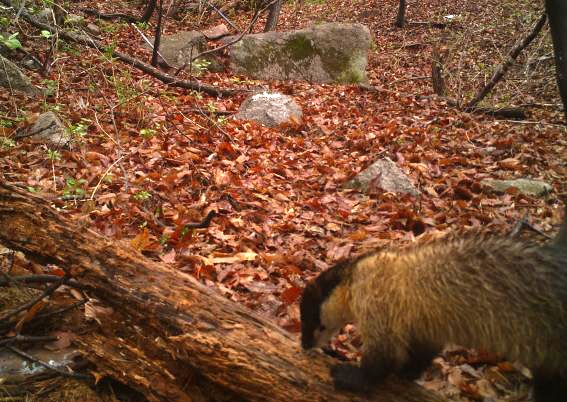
(332, 52)
(11, 77)
(384, 174)
(270, 109)
(48, 129)
(45, 16)
(524, 186)
(177, 49)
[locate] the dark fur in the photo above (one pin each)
(314, 294)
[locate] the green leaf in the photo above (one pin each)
(11, 42)
(46, 34)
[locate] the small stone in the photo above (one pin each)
(12, 78)
(216, 32)
(525, 186)
(75, 20)
(270, 109)
(45, 16)
(384, 174)
(48, 129)
(93, 29)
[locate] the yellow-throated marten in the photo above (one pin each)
(499, 294)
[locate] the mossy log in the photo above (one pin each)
(168, 328)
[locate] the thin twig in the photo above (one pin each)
(47, 292)
(205, 223)
(512, 56)
(48, 366)
(410, 79)
(104, 175)
(7, 280)
(247, 30)
(62, 310)
(27, 338)
(154, 72)
(523, 223)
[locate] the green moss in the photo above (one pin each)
(350, 77)
(300, 47)
(297, 51)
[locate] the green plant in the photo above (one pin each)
(199, 66)
(211, 107)
(50, 86)
(74, 187)
(198, 95)
(78, 130)
(164, 239)
(11, 41)
(53, 155)
(109, 28)
(33, 189)
(142, 25)
(4, 21)
(7, 143)
(46, 34)
(147, 133)
(124, 87)
(222, 120)
(6, 123)
(69, 48)
(142, 195)
(108, 51)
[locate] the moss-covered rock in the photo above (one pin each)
(325, 53)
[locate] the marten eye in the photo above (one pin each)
(322, 328)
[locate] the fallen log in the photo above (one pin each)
(168, 328)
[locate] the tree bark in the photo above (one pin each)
(172, 325)
(157, 37)
(401, 18)
(437, 77)
(273, 16)
(557, 14)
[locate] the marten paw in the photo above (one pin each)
(350, 378)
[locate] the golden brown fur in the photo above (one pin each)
(499, 294)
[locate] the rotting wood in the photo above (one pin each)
(185, 322)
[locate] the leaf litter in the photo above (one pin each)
(151, 164)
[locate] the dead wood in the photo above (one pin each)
(504, 67)
(168, 327)
(148, 11)
(154, 72)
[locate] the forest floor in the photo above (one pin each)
(149, 159)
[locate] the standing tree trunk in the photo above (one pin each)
(148, 12)
(157, 39)
(437, 77)
(273, 16)
(557, 14)
(401, 18)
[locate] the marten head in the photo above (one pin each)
(325, 306)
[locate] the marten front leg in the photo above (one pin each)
(373, 369)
